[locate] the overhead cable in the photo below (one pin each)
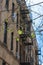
(35, 4)
(37, 17)
(35, 12)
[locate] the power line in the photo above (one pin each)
(37, 17)
(35, 12)
(40, 5)
(41, 26)
(35, 4)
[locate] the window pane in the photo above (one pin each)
(5, 32)
(12, 41)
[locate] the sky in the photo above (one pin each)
(36, 11)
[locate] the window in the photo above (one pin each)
(17, 21)
(20, 53)
(12, 40)
(27, 28)
(5, 32)
(16, 46)
(16, 49)
(7, 4)
(12, 9)
(3, 63)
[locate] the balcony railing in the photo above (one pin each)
(38, 52)
(25, 63)
(23, 35)
(27, 43)
(24, 11)
(21, 2)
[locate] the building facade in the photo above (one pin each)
(34, 47)
(15, 31)
(9, 13)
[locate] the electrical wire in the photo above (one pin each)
(37, 17)
(35, 12)
(40, 5)
(35, 4)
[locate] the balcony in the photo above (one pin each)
(25, 63)
(23, 35)
(38, 52)
(24, 11)
(27, 43)
(24, 16)
(21, 2)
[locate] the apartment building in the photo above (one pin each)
(15, 31)
(12, 50)
(9, 17)
(34, 47)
